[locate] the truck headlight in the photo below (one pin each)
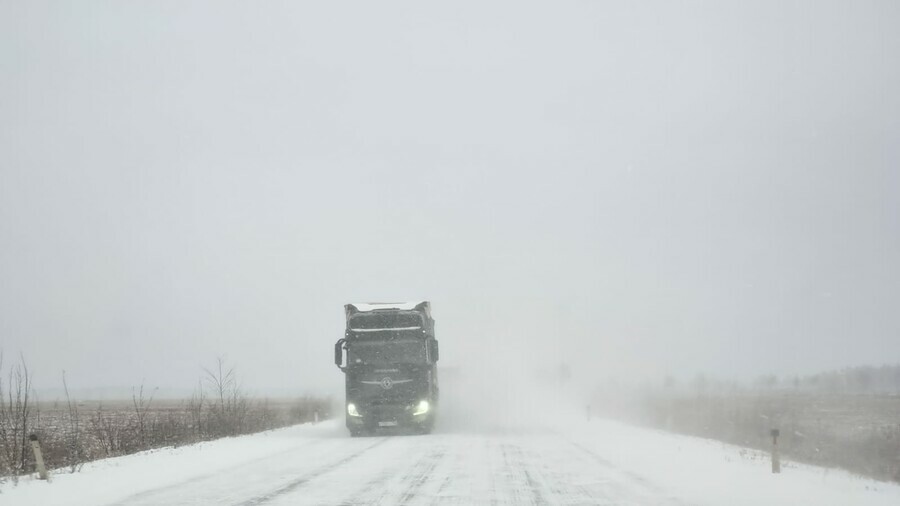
(351, 410)
(422, 408)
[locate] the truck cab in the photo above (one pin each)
(389, 357)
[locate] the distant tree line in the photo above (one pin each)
(74, 432)
(866, 379)
(852, 380)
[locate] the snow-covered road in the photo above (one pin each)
(597, 463)
(438, 469)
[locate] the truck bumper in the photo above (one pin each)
(389, 417)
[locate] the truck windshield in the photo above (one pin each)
(386, 352)
(369, 322)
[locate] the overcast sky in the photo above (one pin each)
(635, 188)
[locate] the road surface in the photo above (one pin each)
(440, 469)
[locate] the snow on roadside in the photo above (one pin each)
(704, 471)
(110, 480)
(678, 469)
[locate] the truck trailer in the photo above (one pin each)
(389, 358)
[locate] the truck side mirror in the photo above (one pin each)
(339, 353)
(435, 350)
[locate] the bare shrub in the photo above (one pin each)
(195, 410)
(107, 429)
(16, 418)
(229, 406)
(141, 407)
(74, 444)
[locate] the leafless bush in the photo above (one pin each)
(229, 406)
(74, 444)
(195, 410)
(141, 407)
(16, 418)
(107, 429)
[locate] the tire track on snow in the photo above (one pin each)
(138, 497)
(299, 482)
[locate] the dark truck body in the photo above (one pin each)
(389, 357)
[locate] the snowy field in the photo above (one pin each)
(601, 462)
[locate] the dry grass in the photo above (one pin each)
(90, 430)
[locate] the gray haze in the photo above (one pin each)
(635, 189)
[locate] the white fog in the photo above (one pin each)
(643, 228)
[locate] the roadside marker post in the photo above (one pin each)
(776, 459)
(38, 457)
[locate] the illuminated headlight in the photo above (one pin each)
(351, 410)
(421, 409)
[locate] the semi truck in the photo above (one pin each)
(389, 357)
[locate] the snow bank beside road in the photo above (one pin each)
(602, 462)
(113, 480)
(703, 471)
